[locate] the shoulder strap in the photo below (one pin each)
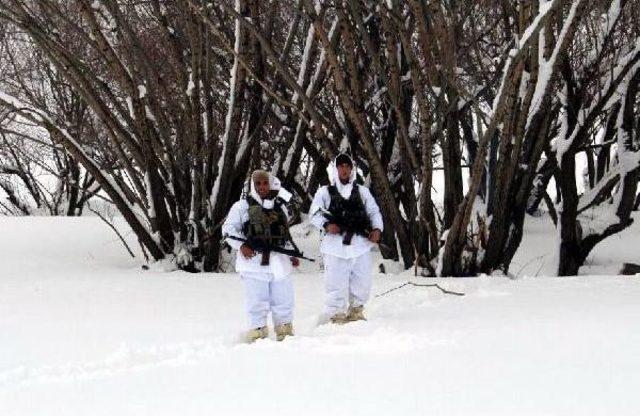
(278, 203)
(356, 196)
(354, 191)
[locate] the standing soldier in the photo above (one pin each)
(352, 223)
(254, 225)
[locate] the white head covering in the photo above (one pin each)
(274, 185)
(334, 179)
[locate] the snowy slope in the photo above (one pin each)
(85, 331)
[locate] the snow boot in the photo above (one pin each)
(339, 318)
(283, 330)
(356, 313)
(257, 333)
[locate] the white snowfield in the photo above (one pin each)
(85, 331)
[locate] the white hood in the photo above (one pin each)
(343, 188)
(274, 185)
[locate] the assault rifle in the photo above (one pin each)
(267, 249)
(349, 229)
(349, 232)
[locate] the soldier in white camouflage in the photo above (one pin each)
(351, 221)
(261, 220)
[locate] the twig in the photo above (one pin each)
(144, 252)
(540, 268)
(528, 263)
(448, 292)
(113, 228)
(211, 233)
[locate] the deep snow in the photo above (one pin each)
(85, 331)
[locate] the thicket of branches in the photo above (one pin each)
(165, 106)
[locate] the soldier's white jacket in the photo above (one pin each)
(332, 243)
(280, 265)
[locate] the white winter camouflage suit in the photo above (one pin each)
(267, 288)
(347, 268)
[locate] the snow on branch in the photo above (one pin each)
(547, 66)
(614, 77)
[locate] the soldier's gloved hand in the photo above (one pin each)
(295, 261)
(374, 235)
(247, 251)
(332, 228)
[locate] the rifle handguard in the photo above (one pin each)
(288, 252)
(348, 236)
(266, 257)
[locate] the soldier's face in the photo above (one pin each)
(262, 187)
(344, 172)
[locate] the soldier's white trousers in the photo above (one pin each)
(264, 295)
(347, 282)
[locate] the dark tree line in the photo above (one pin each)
(166, 106)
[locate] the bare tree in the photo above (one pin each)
(166, 107)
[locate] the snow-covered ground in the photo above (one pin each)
(85, 331)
